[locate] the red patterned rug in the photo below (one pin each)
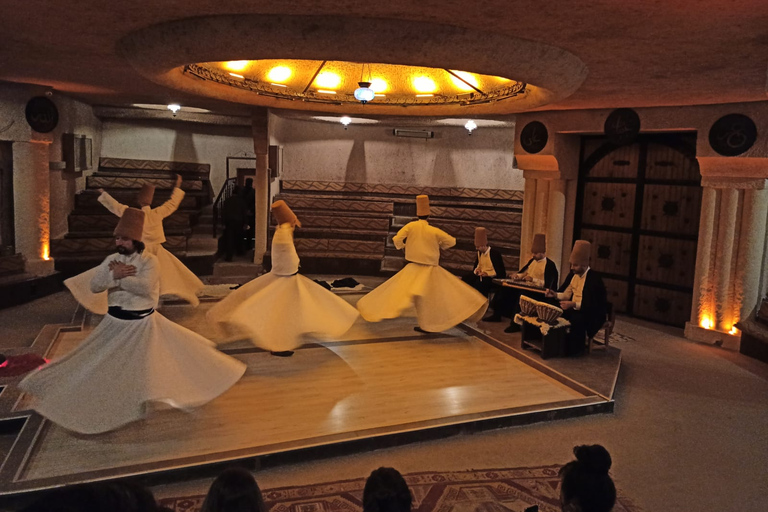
(487, 490)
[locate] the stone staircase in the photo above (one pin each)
(89, 238)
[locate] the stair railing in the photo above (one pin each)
(225, 193)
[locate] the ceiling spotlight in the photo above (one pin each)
(173, 107)
(345, 121)
(470, 126)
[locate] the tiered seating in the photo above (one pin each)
(89, 238)
(348, 227)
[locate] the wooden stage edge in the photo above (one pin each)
(33, 428)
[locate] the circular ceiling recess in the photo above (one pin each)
(317, 62)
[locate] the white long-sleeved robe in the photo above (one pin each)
(442, 300)
(175, 277)
(122, 365)
(276, 310)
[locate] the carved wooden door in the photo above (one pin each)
(639, 206)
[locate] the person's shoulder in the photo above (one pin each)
(148, 258)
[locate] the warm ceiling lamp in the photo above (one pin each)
(236, 65)
(328, 80)
(464, 81)
(279, 74)
(378, 85)
(424, 84)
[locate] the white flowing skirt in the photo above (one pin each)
(442, 300)
(107, 381)
(277, 311)
(175, 279)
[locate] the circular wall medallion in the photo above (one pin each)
(622, 126)
(732, 135)
(42, 114)
(534, 137)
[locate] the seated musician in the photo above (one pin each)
(488, 264)
(583, 299)
(540, 272)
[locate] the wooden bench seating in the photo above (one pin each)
(350, 225)
(90, 226)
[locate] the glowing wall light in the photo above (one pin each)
(424, 84)
(236, 65)
(328, 80)
(706, 322)
(45, 251)
(279, 74)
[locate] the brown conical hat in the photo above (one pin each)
(146, 194)
(422, 205)
(283, 213)
(539, 243)
(481, 237)
(131, 224)
(580, 253)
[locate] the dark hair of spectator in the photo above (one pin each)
(97, 496)
(234, 490)
(386, 491)
(585, 483)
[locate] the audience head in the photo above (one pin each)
(249, 183)
(386, 491)
(234, 490)
(585, 483)
(97, 497)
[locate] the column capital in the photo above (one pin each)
(733, 167)
(722, 182)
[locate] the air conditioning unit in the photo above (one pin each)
(416, 134)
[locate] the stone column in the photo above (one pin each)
(729, 205)
(542, 207)
(526, 226)
(260, 129)
(32, 205)
(702, 307)
(747, 291)
(556, 221)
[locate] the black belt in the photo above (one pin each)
(128, 314)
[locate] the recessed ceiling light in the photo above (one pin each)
(237, 76)
(279, 74)
(321, 91)
(236, 65)
(328, 80)
(424, 84)
(424, 95)
(278, 85)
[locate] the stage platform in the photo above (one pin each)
(381, 384)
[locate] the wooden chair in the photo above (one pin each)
(607, 327)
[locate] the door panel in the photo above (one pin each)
(609, 204)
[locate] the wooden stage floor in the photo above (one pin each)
(380, 381)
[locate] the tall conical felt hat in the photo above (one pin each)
(146, 194)
(283, 213)
(481, 237)
(539, 243)
(131, 224)
(580, 253)
(422, 205)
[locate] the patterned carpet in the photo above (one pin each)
(488, 490)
